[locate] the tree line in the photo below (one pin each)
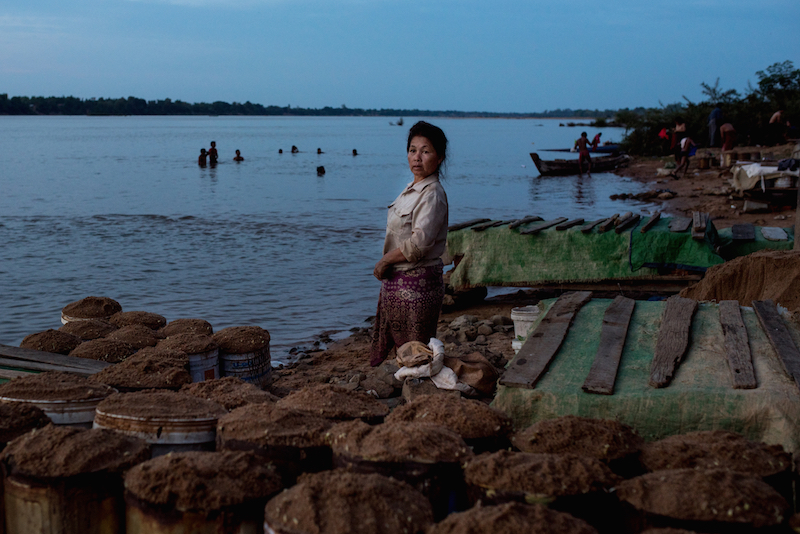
(70, 105)
(778, 88)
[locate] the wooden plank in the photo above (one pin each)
(569, 224)
(699, 221)
(673, 339)
(524, 220)
(679, 224)
(630, 221)
(743, 232)
(543, 226)
(622, 218)
(19, 353)
(542, 345)
(586, 228)
(483, 226)
(603, 373)
(38, 366)
(779, 337)
(737, 346)
(608, 223)
(467, 224)
(654, 218)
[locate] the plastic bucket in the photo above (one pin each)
(65, 412)
(142, 518)
(253, 367)
(164, 434)
(729, 158)
(86, 504)
(516, 344)
(523, 320)
(204, 366)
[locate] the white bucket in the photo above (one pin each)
(204, 366)
(67, 319)
(253, 367)
(65, 412)
(516, 345)
(164, 434)
(523, 320)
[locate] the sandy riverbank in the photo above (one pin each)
(708, 190)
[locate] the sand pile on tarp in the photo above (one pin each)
(769, 274)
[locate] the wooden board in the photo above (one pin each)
(779, 337)
(627, 223)
(569, 224)
(654, 218)
(483, 226)
(737, 346)
(699, 221)
(622, 218)
(586, 228)
(535, 229)
(543, 343)
(524, 220)
(673, 339)
(679, 224)
(743, 232)
(9, 374)
(467, 224)
(49, 358)
(608, 223)
(603, 373)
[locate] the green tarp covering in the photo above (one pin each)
(500, 256)
(700, 396)
(503, 257)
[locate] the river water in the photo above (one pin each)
(118, 207)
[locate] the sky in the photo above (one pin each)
(465, 55)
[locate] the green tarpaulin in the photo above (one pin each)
(700, 396)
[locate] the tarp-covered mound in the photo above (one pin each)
(768, 274)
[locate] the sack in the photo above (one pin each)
(414, 353)
(474, 370)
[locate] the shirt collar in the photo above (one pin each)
(422, 184)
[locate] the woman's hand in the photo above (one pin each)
(381, 271)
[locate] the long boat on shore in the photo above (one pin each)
(563, 167)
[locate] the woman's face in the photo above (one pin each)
(422, 158)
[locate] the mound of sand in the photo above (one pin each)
(768, 274)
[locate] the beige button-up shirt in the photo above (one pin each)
(417, 224)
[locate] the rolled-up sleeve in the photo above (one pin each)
(428, 220)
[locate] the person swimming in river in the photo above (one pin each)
(201, 160)
(355, 152)
(212, 153)
(294, 150)
(582, 144)
(319, 151)
(238, 156)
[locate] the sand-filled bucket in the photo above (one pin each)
(253, 367)
(244, 353)
(204, 366)
(729, 158)
(201, 493)
(90, 308)
(523, 318)
(169, 421)
(66, 398)
(46, 495)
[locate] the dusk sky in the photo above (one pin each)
(501, 56)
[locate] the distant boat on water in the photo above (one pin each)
(563, 167)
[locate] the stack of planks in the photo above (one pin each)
(618, 222)
(17, 361)
(672, 343)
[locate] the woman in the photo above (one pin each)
(416, 232)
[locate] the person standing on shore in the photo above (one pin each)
(714, 121)
(677, 134)
(410, 271)
(728, 134)
(596, 142)
(582, 144)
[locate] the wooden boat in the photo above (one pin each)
(607, 149)
(562, 167)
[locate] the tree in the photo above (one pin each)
(717, 95)
(779, 83)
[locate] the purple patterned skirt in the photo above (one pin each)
(408, 310)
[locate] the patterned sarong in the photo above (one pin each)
(408, 310)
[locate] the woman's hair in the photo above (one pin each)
(432, 133)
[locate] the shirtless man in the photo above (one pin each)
(212, 153)
(583, 145)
